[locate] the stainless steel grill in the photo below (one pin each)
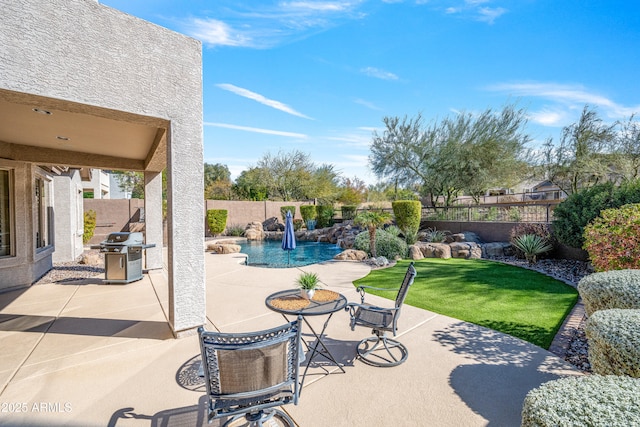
(123, 256)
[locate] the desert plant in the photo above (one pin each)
(538, 229)
(89, 225)
(407, 214)
(217, 220)
(387, 245)
(614, 342)
(285, 209)
(297, 224)
(348, 212)
(433, 235)
(235, 230)
(610, 289)
(593, 400)
(371, 220)
(531, 246)
(308, 281)
(613, 239)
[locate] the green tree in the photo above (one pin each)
(371, 220)
(627, 150)
(217, 182)
(250, 185)
(465, 153)
(324, 184)
(580, 160)
(352, 191)
(288, 176)
(131, 183)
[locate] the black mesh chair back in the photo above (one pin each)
(380, 350)
(251, 374)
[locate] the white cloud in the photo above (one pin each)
(472, 9)
(261, 99)
(547, 117)
(369, 105)
(268, 24)
(490, 14)
(258, 130)
(378, 73)
(570, 96)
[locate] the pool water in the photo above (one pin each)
(269, 253)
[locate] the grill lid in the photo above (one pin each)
(124, 238)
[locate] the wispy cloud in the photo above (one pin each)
(378, 73)
(369, 105)
(261, 99)
(566, 97)
(478, 10)
(258, 130)
(269, 23)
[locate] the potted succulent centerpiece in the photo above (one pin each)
(308, 283)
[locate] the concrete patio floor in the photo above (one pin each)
(91, 354)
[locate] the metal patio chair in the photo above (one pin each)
(251, 374)
(380, 350)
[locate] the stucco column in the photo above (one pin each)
(153, 218)
(185, 216)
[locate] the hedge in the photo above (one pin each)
(610, 289)
(308, 212)
(593, 400)
(348, 212)
(217, 220)
(325, 216)
(614, 342)
(284, 209)
(407, 214)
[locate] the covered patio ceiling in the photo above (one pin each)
(58, 132)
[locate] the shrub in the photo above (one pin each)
(89, 225)
(613, 239)
(235, 230)
(610, 289)
(579, 209)
(514, 214)
(434, 236)
(349, 212)
(284, 209)
(308, 212)
(297, 224)
(614, 342)
(531, 246)
(387, 245)
(325, 215)
(217, 220)
(407, 214)
(593, 400)
(525, 228)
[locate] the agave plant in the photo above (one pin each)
(531, 245)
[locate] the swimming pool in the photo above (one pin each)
(269, 253)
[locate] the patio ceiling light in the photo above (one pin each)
(41, 111)
(63, 138)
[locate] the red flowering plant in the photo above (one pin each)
(613, 239)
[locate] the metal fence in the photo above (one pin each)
(491, 213)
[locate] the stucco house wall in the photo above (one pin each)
(83, 57)
(68, 216)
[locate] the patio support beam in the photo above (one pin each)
(153, 219)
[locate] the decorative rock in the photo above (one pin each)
(272, 224)
(434, 250)
(254, 231)
(495, 249)
(90, 259)
(378, 262)
(351, 255)
(466, 250)
(218, 248)
(415, 252)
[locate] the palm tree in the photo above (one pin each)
(371, 220)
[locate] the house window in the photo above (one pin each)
(5, 213)
(42, 215)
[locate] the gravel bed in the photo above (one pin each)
(72, 270)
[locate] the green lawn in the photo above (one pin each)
(509, 299)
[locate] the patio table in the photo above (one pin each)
(323, 303)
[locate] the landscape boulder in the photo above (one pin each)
(272, 224)
(351, 255)
(254, 231)
(223, 248)
(466, 250)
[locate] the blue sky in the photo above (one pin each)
(319, 76)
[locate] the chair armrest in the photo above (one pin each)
(361, 290)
